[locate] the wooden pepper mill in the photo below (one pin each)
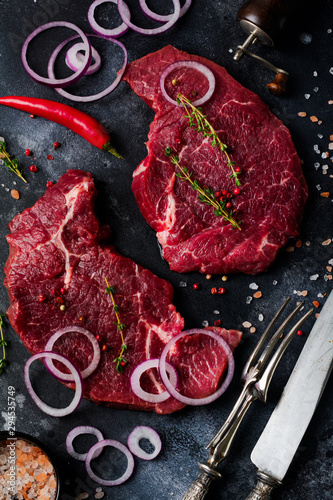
(265, 21)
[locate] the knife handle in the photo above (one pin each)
(200, 486)
(264, 487)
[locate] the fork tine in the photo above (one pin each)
(261, 387)
(262, 340)
(271, 344)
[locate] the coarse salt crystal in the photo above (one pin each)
(99, 494)
(307, 96)
(261, 317)
(249, 300)
(253, 286)
(329, 30)
(247, 324)
(275, 282)
(331, 71)
(205, 323)
(318, 186)
(216, 311)
(327, 242)
(315, 73)
(314, 277)
(183, 284)
(330, 262)
(315, 89)
(320, 136)
(316, 165)
(330, 146)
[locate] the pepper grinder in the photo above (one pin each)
(265, 21)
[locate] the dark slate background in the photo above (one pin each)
(208, 29)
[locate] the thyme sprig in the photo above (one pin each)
(119, 360)
(205, 194)
(199, 122)
(3, 344)
(8, 160)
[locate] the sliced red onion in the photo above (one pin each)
(77, 431)
(52, 81)
(163, 18)
(55, 412)
(94, 97)
(74, 59)
(191, 401)
(150, 31)
(140, 369)
(66, 377)
(189, 64)
(119, 446)
(120, 30)
(144, 432)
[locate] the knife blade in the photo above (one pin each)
(278, 443)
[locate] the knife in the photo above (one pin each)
(282, 435)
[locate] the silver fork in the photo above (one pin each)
(256, 378)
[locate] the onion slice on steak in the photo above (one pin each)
(66, 377)
(144, 432)
(119, 446)
(163, 18)
(77, 431)
(115, 32)
(74, 59)
(208, 399)
(150, 31)
(99, 95)
(140, 369)
(52, 81)
(55, 412)
(189, 64)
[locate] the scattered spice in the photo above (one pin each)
(313, 119)
(213, 290)
(49, 184)
(206, 195)
(253, 329)
(198, 121)
(224, 278)
(50, 157)
(316, 303)
(8, 160)
(257, 295)
(299, 333)
(222, 291)
(15, 194)
(247, 324)
(33, 168)
(298, 243)
(196, 286)
(217, 322)
(27, 152)
(325, 194)
(327, 242)
(302, 114)
(208, 276)
(3, 344)
(56, 145)
(119, 360)
(62, 307)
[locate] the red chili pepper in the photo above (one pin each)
(77, 121)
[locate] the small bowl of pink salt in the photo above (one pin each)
(26, 469)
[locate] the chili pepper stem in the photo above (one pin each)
(110, 149)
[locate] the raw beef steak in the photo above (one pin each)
(59, 256)
(273, 192)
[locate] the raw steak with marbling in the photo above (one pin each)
(59, 253)
(273, 192)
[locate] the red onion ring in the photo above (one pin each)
(163, 18)
(119, 446)
(144, 432)
(77, 431)
(191, 401)
(120, 30)
(189, 64)
(55, 412)
(140, 369)
(152, 31)
(52, 81)
(93, 97)
(90, 368)
(74, 59)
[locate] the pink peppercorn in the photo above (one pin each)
(33, 168)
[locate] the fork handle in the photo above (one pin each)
(264, 487)
(200, 486)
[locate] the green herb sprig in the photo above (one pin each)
(205, 194)
(119, 360)
(199, 122)
(8, 160)
(3, 344)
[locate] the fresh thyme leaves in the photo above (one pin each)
(119, 360)
(205, 194)
(9, 161)
(198, 121)
(3, 344)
